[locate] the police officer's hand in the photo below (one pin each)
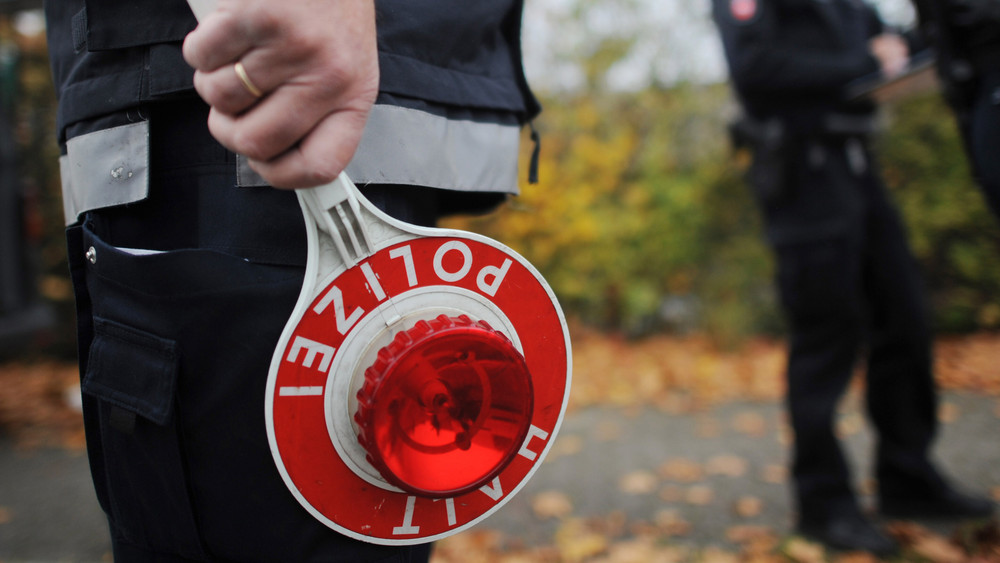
(310, 79)
(891, 52)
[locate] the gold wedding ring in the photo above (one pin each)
(245, 79)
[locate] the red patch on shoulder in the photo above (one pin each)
(743, 10)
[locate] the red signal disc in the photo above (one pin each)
(310, 406)
(445, 407)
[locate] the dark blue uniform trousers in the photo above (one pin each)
(175, 348)
(849, 285)
(985, 137)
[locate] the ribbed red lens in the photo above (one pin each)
(445, 407)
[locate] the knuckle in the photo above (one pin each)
(266, 20)
(208, 89)
(251, 144)
(322, 171)
(324, 175)
(189, 49)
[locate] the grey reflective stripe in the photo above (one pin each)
(105, 168)
(399, 146)
(413, 147)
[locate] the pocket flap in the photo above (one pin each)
(132, 369)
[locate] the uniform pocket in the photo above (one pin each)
(118, 25)
(133, 375)
(133, 370)
(176, 369)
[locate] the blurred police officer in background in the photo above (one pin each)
(847, 280)
(966, 37)
(187, 262)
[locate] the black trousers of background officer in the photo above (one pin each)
(176, 347)
(850, 288)
(984, 134)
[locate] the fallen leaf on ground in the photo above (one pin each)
(979, 538)
(33, 405)
(644, 550)
(643, 529)
(855, 557)
(905, 532)
(750, 423)
(4, 515)
(717, 555)
(968, 362)
(638, 483)
(700, 495)
(775, 474)
(551, 504)
(785, 434)
(612, 525)
(748, 533)
(536, 556)
(761, 547)
(748, 506)
(937, 549)
(948, 412)
(995, 493)
(925, 543)
(576, 542)
(804, 551)
(459, 546)
(671, 523)
(727, 465)
(683, 470)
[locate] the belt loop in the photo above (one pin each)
(535, 153)
(247, 177)
(855, 153)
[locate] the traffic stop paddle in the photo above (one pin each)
(421, 378)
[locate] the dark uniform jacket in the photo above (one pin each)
(968, 29)
(119, 55)
(176, 340)
(792, 63)
(792, 59)
(966, 36)
(456, 72)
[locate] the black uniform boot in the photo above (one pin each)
(848, 530)
(918, 490)
(944, 502)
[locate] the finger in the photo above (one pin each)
(320, 157)
(279, 121)
(218, 41)
(264, 132)
(224, 91)
(264, 69)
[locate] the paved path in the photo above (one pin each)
(706, 476)
(695, 477)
